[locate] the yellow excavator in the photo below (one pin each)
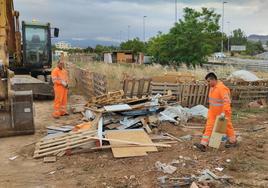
(25, 65)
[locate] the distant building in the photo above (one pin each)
(57, 54)
(120, 56)
(63, 45)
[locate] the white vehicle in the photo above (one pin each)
(219, 55)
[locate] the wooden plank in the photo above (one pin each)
(100, 130)
(132, 88)
(50, 159)
(125, 86)
(117, 107)
(215, 140)
(138, 136)
(128, 145)
(219, 130)
(141, 88)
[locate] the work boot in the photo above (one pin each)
(66, 114)
(230, 144)
(201, 147)
(56, 117)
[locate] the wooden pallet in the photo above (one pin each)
(106, 99)
(188, 94)
(99, 84)
(89, 83)
(52, 146)
(136, 87)
(194, 94)
(245, 94)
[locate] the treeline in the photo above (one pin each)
(190, 41)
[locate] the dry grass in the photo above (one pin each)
(116, 72)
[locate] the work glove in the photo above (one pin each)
(222, 116)
(64, 83)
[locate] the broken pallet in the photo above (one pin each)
(52, 146)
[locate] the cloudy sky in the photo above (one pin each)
(102, 20)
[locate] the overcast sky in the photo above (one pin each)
(104, 19)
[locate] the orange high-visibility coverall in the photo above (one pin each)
(60, 101)
(219, 102)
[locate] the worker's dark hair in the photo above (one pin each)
(211, 75)
(59, 61)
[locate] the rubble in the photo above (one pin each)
(163, 167)
(113, 112)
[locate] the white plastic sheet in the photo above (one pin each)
(173, 113)
(243, 75)
(198, 110)
(178, 113)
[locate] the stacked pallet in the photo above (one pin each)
(189, 94)
(136, 87)
(89, 83)
(57, 144)
(245, 94)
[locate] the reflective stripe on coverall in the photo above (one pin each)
(60, 101)
(219, 102)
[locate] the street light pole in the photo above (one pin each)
(228, 24)
(128, 32)
(222, 27)
(120, 36)
(144, 37)
(176, 11)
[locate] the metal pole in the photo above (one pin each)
(120, 36)
(228, 36)
(222, 26)
(128, 32)
(144, 37)
(176, 11)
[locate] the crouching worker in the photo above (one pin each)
(60, 80)
(219, 104)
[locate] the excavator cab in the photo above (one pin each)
(36, 45)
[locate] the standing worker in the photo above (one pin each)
(60, 81)
(219, 104)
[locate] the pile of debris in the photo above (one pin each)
(129, 126)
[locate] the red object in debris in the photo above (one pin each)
(97, 143)
(68, 152)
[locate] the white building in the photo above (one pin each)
(63, 45)
(58, 53)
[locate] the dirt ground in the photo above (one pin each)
(248, 163)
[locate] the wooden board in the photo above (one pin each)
(117, 107)
(215, 140)
(134, 135)
(219, 130)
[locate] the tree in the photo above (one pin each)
(190, 41)
(53, 48)
(254, 48)
(238, 37)
(89, 49)
(134, 45)
(99, 49)
(159, 48)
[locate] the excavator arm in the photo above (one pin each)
(16, 107)
(10, 46)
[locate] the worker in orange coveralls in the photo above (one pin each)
(60, 81)
(219, 104)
